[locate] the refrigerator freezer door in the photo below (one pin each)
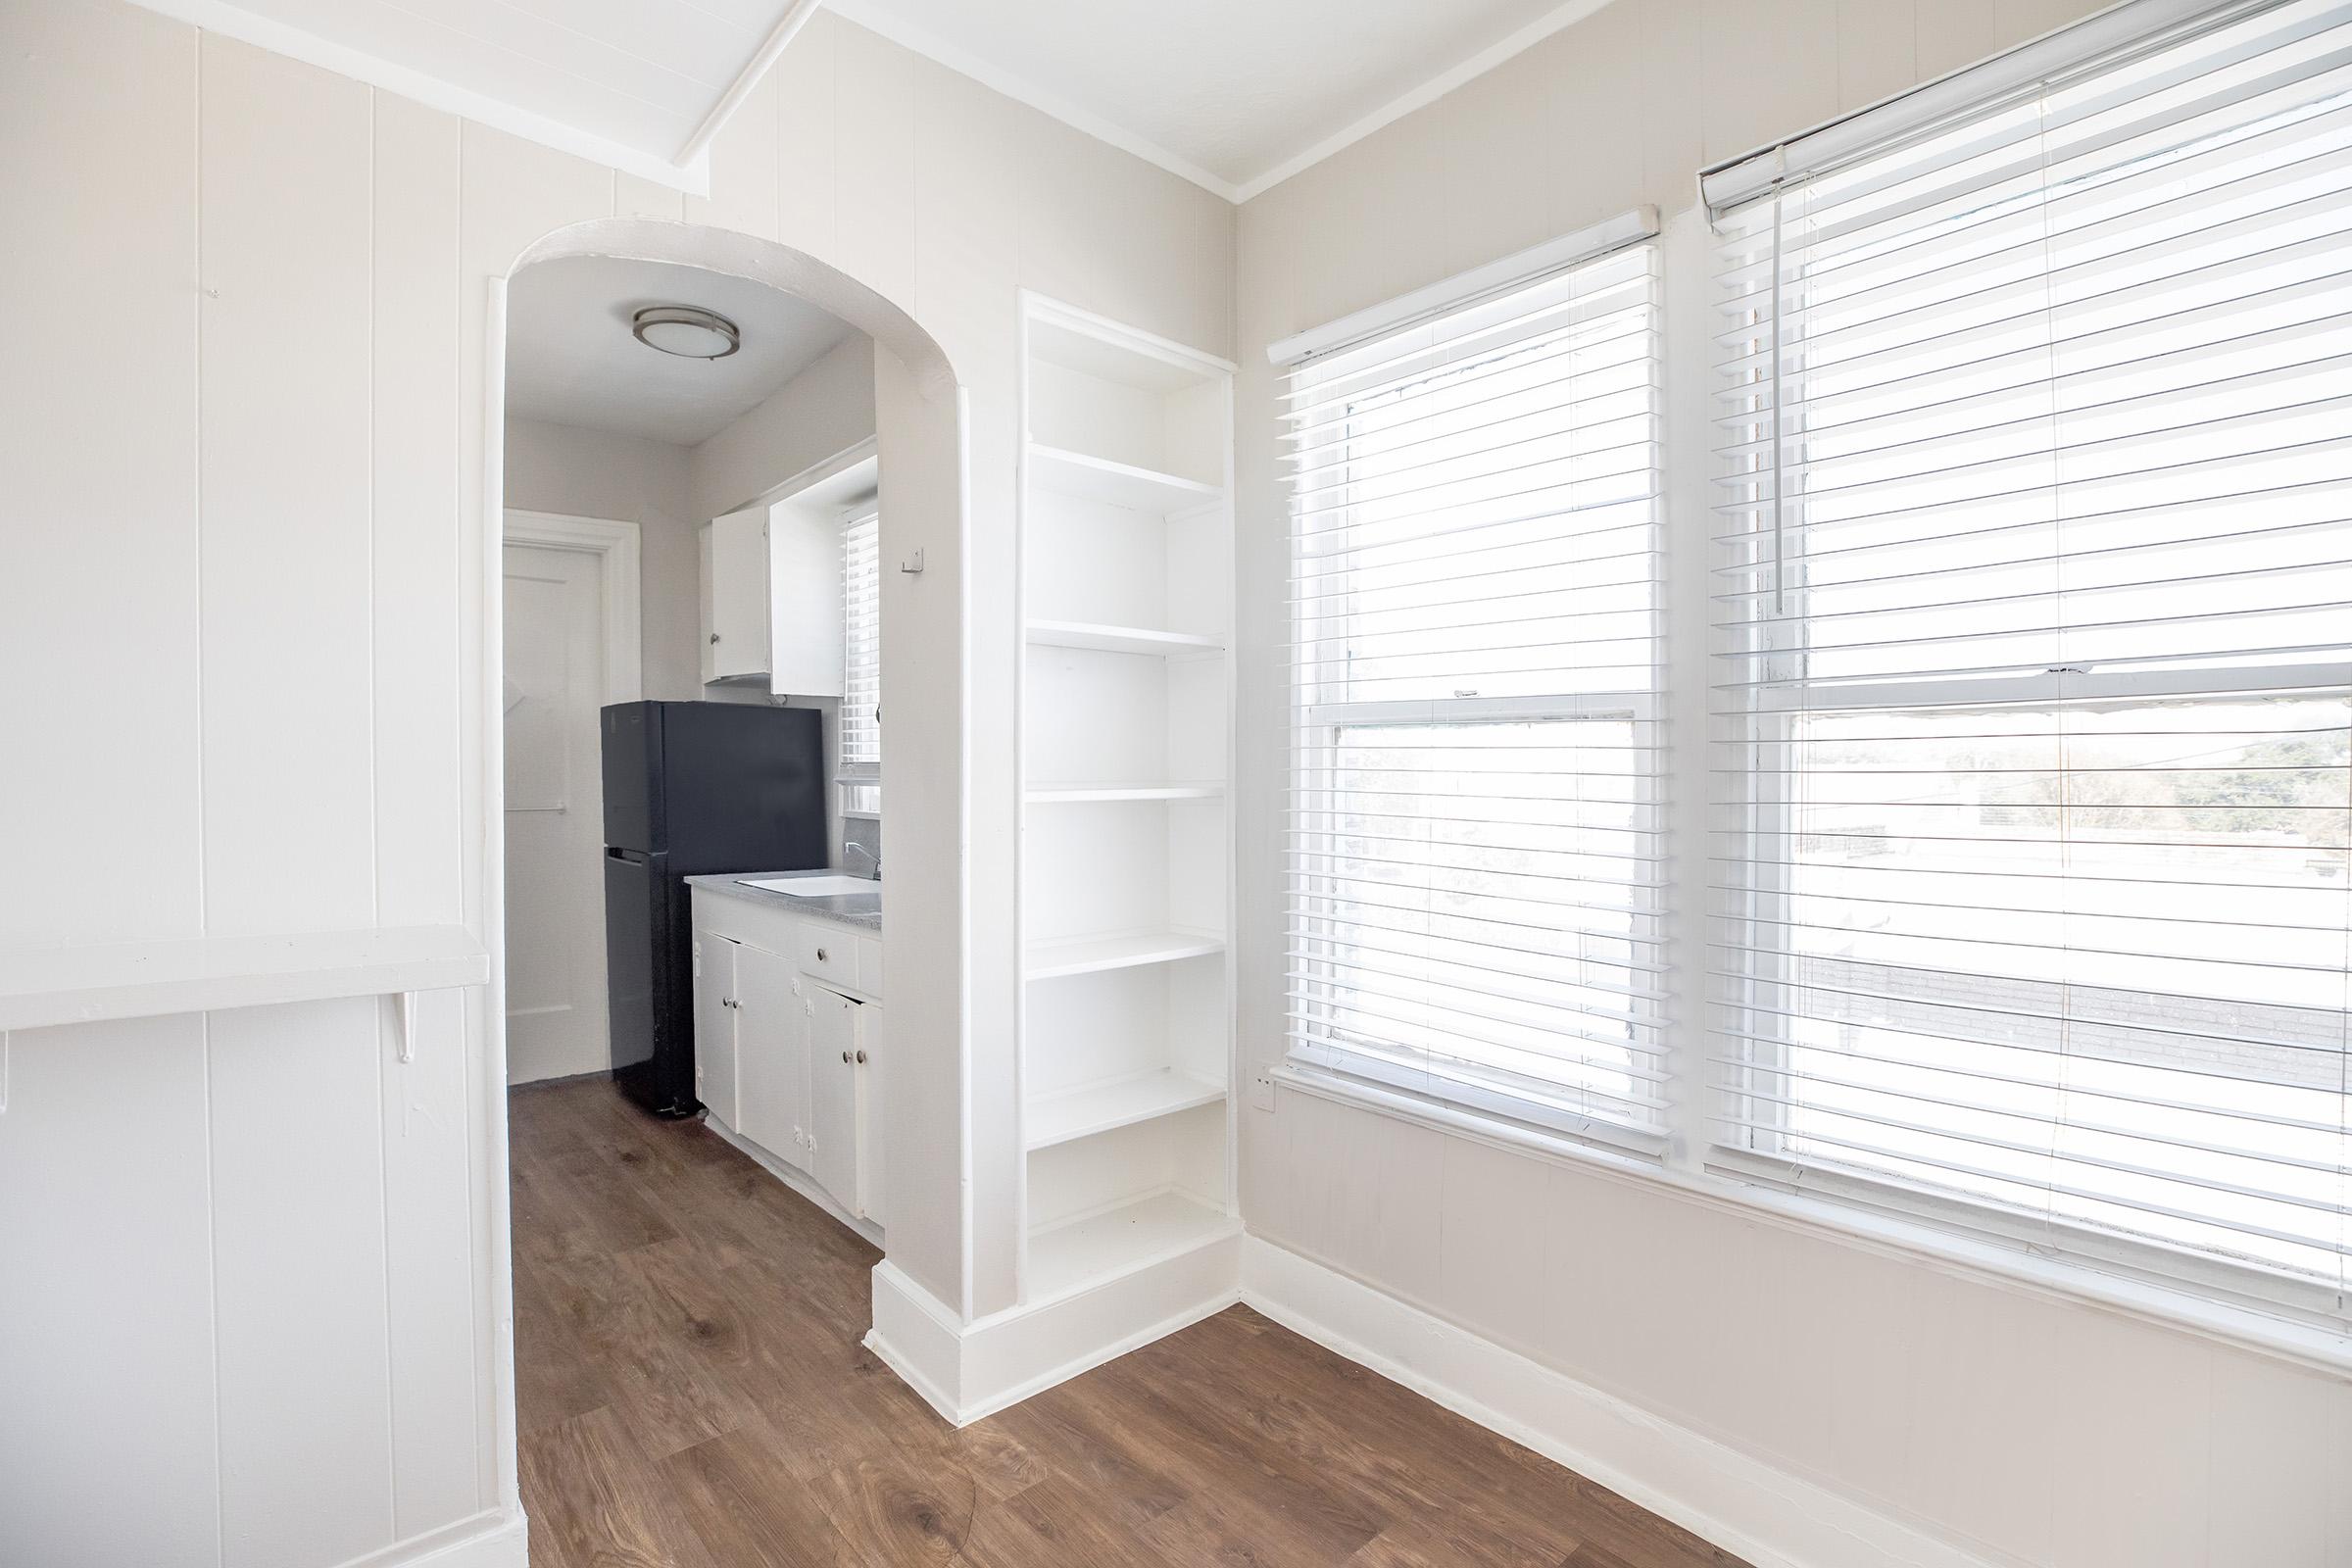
(633, 806)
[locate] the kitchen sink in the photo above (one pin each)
(812, 887)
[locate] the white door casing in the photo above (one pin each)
(571, 645)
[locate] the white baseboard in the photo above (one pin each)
(1769, 1517)
(966, 1372)
(497, 1538)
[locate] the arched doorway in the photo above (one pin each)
(921, 434)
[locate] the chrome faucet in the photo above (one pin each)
(847, 845)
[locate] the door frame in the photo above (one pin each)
(617, 546)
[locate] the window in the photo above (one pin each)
(861, 771)
(1474, 842)
(2034, 700)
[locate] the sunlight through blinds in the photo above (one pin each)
(1473, 851)
(2033, 702)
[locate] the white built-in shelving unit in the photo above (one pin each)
(1126, 838)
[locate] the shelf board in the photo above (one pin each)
(44, 986)
(1120, 484)
(1051, 960)
(1075, 1254)
(1122, 1102)
(1060, 793)
(1122, 639)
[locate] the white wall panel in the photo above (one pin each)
(290, 786)
(106, 1299)
(429, 1176)
(414, 537)
(298, 1227)
(98, 628)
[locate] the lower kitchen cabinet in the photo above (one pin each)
(772, 1056)
(786, 1056)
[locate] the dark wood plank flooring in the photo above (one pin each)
(692, 1395)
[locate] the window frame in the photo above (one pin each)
(851, 779)
(1317, 724)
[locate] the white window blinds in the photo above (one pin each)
(861, 770)
(1474, 834)
(2034, 674)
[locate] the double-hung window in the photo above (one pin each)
(859, 771)
(2033, 661)
(1474, 837)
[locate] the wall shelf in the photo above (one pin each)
(41, 987)
(1064, 794)
(1122, 1102)
(1117, 484)
(1053, 961)
(1149, 1230)
(1122, 639)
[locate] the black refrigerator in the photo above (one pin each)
(691, 788)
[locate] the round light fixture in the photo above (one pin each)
(684, 330)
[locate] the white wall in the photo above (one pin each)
(2027, 1428)
(595, 473)
(241, 605)
(826, 409)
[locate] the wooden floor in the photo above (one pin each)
(692, 1393)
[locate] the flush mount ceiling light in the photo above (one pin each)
(686, 332)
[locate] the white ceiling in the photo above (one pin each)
(570, 359)
(1234, 94)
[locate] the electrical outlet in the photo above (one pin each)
(1261, 1091)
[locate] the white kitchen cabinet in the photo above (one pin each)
(714, 1054)
(735, 597)
(772, 592)
(833, 1078)
(773, 1055)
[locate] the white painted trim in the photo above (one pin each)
(690, 175)
(1595, 240)
(618, 547)
(875, 19)
(968, 1372)
(1568, 13)
(42, 987)
(497, 1538)
(1773, 1518)
(771, 49)
(840, 462)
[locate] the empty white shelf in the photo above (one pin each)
(1122, 639)
(1121, 1102)
(1056, 793)
(1051, 960)
(1085, 1251)
(1120, 484)
(43, 985)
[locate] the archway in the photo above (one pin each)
(920, 420)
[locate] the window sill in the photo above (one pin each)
(2307, 1345)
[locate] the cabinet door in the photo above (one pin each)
(735, 583)
(833, 1092)
(715, 1026)
(871, 1043)
(773, 1055)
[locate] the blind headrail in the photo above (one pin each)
(1465, 288)
(1968, 91)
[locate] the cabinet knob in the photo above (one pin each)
(862, 1057)
(845, 1055)
(821, 958)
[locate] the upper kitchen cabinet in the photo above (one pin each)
(772, 590)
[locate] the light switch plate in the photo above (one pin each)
(1261, 1091)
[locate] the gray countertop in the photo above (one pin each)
(863, 909)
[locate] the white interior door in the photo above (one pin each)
(555, 679)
